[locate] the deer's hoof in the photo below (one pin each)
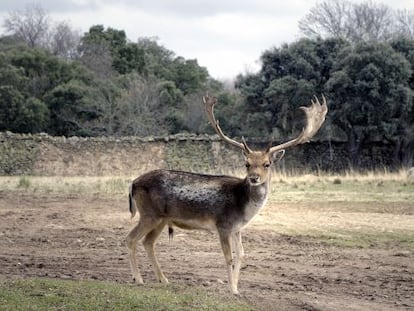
(236, 292)
(138, 281)
(164, 280)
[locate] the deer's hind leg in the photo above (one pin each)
(149, 243)
(143, 227)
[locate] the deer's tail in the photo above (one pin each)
(170, 232)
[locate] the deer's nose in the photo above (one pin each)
(254, 179)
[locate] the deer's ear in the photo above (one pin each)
(277, 156)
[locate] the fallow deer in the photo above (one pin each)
(223, 204)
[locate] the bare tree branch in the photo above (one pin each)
(64, 41)
(356, 22)
(30, 25)
(327, 19)
(405, 22)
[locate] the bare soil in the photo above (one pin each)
(83, 237)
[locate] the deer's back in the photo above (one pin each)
(178, 194)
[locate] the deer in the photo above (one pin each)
(217, 203)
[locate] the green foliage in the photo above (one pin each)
(290, 75)
(369, 88)
(374, 95)
(146, 57)
(43, 71)
(112, 83)
(187, 75)
(21, 114)
(70, 104)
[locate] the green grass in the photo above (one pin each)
(349, 190)
(370, 187)
(404, 240)
(55, 184)
(48, 294)
(24, 182)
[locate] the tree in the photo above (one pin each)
(157, 58)
(20, 114)
(95, 52)
(44, 71)
(72, 105)
(290, 93)
(370, 21)
(289, 76)
(327, 19)
(107, 50)
(356, 22)
(47, 86)
(129, 58)
(369, 94)
(405, 23)
(19, 110)
(404, 152)
(65, 41)
(139, 108)
(30, 25)
(34, 27)
(187, 75)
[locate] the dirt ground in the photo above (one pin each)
(82, 237)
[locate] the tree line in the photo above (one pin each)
(55, 80)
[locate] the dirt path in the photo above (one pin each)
(82, 237)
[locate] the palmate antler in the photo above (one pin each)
(315, 116)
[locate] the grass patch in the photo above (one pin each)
(107, 185)
(370, 187)
(24, 182)
(341, 189)
(48, 294)
(384, 240)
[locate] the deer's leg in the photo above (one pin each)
(148, 243)
(136, 234)
(239, 255)
(225, 241)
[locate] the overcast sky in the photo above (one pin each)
(226, 36)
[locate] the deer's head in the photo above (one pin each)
(258, 163)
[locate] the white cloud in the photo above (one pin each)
(225, 36)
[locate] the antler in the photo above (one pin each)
(315, 116)
(209, 103)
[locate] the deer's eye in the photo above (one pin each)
(266, 165)
(247, 165)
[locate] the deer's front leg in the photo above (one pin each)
(239, 255)
(225, 241)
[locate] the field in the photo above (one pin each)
(322, 243)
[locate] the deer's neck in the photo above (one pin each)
(257, 200)
(260, 192)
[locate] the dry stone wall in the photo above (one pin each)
(101, 156)
(45, 155)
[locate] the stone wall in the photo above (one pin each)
(100, 156)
